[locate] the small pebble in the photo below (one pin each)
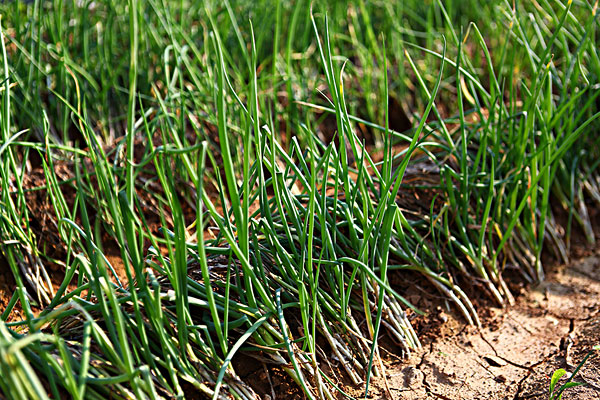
(412, 376)
(495, 361)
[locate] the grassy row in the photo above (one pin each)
(246, 177)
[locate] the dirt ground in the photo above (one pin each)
(513, 357)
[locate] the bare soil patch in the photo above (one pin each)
(513, 356)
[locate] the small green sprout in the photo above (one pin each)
(556, 393)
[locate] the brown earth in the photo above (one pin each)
(513, 356)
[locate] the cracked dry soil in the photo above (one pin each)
(513, 356)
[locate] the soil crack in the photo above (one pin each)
(514, 355)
